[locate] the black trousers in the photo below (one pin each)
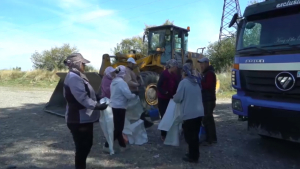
(162, 107)
(209, 122)
(191, 129)
(119, 120)
(83, 140)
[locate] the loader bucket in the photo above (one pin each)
(57, 103)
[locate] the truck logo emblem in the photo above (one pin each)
(284, 81)
(255, 61)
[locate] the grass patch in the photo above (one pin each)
(44, 79)
(35, 78)
(226, 90)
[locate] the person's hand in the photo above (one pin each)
(102, 106)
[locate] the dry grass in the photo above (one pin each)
(35, 78)
(49, 79)
(226, 89)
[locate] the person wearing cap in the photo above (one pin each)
(192, 111)
(208, 84)
(130, 78)
(120, 94)
(83, 108)
(167, 86)
(109, 74)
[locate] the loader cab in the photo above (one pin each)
(169, 40)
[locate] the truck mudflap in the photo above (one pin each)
(276, 123)
(57, 103)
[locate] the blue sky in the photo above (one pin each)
(96, 26)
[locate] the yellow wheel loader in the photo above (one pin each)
(164, 43)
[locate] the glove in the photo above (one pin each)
(99, 106)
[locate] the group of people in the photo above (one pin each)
(194, 91)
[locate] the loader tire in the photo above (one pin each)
(149, 79)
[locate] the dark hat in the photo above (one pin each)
(76, 57)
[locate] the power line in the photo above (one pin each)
(80, 9)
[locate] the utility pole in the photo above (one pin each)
(230, 7)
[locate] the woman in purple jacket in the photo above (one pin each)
(167, 86)
(109, 74)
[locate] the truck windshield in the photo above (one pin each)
(269, 31)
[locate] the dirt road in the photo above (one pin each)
(31, 138)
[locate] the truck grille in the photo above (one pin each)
(264, 82)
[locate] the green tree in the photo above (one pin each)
(136, 42)
(52, 59)
(221, 54)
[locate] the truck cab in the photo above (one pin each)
(266, 73)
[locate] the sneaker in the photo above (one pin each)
(186, 159)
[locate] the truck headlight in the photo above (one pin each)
(237, 105)
(233, 78)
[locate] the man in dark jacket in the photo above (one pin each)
(208, 83)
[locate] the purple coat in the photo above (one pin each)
(105, 86)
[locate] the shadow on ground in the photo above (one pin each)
(31, 138)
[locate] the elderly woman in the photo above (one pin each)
(109, 74)
(188, 95)
(120, 94)
(82, 107)
(167, 86)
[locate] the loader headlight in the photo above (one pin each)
(237, 105)
(233, 78)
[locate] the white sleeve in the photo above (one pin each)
(125, 91)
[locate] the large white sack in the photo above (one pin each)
(168, 119)
(172, 137)
(127, 128)
(106, 122)
(139, 134)
(134, 109)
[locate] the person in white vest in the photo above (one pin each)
(120, 94)
(189, 96)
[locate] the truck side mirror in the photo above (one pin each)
(233, 20)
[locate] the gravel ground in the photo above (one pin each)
(31, 138)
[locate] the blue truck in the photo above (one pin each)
(266, 71)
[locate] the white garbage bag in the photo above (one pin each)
(139, 134)
(127, 128)
(172, 137)
(106, 122)
(134, 109)
(168, 119)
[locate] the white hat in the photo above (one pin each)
(202, 60)
(131, 60)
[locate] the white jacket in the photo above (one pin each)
(119, 93)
